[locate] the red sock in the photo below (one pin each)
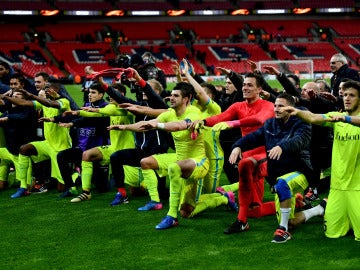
(246, 187)
(122, 191)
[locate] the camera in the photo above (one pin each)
(134, 88)
(121, 61)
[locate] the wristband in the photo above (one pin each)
(142, 83)
(160, 125)
(347, 119)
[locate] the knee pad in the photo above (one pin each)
(282, 190)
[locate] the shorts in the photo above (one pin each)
(106, 152)
(342, 213)
(163, 161)
(190, 192)
(134, 176)
(45, 152)
(6, 158)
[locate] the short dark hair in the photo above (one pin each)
(327, 87)
(43, 74)
(5, 65)
(352, 84)
(289, 98)
(53, 85)
(260, 81)
(19, 77)
(211, 88)
(187, 90)
(97, 87)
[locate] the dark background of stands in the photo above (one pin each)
(64, 45)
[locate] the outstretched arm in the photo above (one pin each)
(19, 101)
(136, 127)
(306, 116)
(45, 101)
(168, 126)
(138, 109)
(354, 120)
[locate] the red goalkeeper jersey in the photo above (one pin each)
(251, 116)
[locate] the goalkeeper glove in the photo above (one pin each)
(226, 125)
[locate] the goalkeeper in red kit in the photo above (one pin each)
(248, 115)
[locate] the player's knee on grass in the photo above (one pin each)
(186, 210)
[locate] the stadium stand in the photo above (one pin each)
(320, 52)
(283, 29)
(143, 31)
(70, 31)
(343, 28)
(220, 42)
(76, 55)
(350, 46)
(17, 31)
(28, 57)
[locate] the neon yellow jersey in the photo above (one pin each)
(185, 147)
(58, 137)
(211, 138)
(119, 139)
(345, 163)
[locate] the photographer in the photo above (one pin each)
(146, 68)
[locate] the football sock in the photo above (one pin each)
(75, 176)
(209, 201)
(246, 187)
(313, 212)
(24, 163)
(175, 188)
(29, 174)
(151, 183)
(122, 190)
(87, 173)
(232, 187)
(285, 213)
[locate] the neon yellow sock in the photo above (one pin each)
(29, 177)
(151, 183)
(209, 201)
(87, 173)
(232, 187)
(176, 182)
(21, 175)
(75, 176)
